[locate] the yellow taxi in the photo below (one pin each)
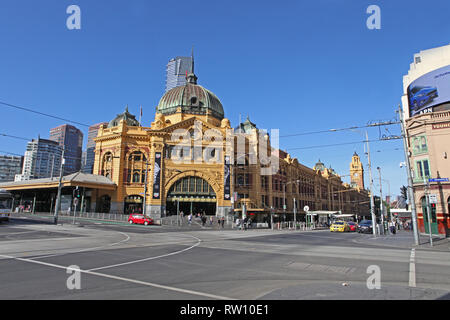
(339, 226)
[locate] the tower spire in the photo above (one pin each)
(191, 77)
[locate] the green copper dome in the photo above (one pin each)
(126, 116)
(192, 98)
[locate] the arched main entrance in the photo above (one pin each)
(191, 195)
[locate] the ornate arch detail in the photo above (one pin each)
(191, 173)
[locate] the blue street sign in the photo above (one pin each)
(438, 180)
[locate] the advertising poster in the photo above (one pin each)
(429, 92)
(227, 188)
(157, 176)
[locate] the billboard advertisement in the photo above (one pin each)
(429, 92)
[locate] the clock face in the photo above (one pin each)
(355, 175)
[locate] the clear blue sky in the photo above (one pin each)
(297, 66)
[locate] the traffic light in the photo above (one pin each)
(76, 192)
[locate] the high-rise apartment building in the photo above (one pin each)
(42, 160)
(88, 166)
(176, 71)
(9, 167)
(71, 138)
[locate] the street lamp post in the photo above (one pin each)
(145, 188)
(284, 200)
(372, 204)
(58, 197)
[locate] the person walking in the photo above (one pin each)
(190, 219)
(203, 220)
(210, 220)
(392, 227)
(222, 221)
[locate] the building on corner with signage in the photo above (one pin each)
(426, 114)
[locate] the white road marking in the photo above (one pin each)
(86, 249)
(150, 258)
(150, 284)
(412, 268)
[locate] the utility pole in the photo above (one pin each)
(58, 197)
(381, 200)
(410, 183)
(372, 203)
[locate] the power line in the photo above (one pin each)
(341, 144)
(15, 137)
(376, 124)
(43, 114)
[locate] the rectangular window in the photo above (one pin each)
(422, 170)
(419, 144)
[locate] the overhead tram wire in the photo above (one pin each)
(341, 144)
(386, 123)
(42, 113)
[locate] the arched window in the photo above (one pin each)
(136, 166)
(191, 186)
(448, 206)
(107, 165)
(103, 204)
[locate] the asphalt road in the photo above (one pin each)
(119, 261)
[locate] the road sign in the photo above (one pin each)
(306, 208)
(433, 198)
(438, 180)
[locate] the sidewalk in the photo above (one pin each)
(405, 239)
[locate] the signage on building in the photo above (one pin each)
(429, 92)
(157, 176)
(433, 198)
(226, 174)
(438, 180)
(444, 125)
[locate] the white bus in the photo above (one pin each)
(6, 199)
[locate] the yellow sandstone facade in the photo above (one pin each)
(191, 160)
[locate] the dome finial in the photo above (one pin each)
(191, 77)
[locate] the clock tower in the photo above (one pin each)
(357, 172)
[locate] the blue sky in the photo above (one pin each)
(297, 66)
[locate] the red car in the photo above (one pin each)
(353, 226)
(139, 219)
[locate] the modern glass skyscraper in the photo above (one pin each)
(176, 71)
(42, 160)
(71, 139)
(90, 147)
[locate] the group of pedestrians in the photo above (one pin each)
(203, 219)
(243, 223)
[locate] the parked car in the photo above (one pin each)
(339, 226)
(353, 226)
(420, 96)
(365, 226)
(139, 219)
